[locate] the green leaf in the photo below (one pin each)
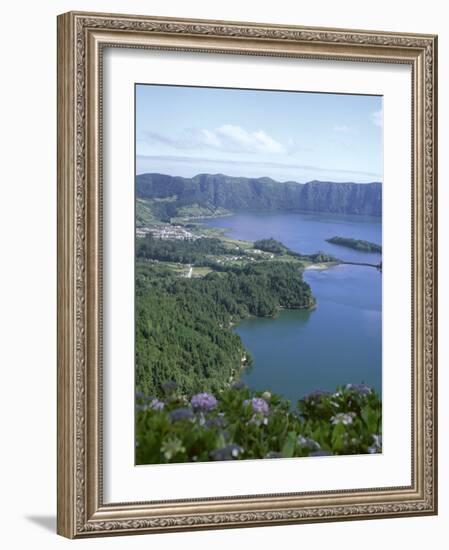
(288, 449)
(338, 434)
(221, 442)
(371, 418)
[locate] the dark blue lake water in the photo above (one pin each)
(340, 341)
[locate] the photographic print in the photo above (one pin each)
(258, 274)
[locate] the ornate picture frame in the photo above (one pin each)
(82, 510)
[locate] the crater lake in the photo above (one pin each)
(340, 341)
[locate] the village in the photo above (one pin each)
(167, 231)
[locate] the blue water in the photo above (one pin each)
(340, 341)
(305, 233)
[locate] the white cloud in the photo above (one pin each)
(228, 138)
(237, 138)
(209, 138)
(377, 118)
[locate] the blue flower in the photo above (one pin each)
(203, 402)
(361, 389)
(316, 395)
(156, 405)
(259, 405)
(181, 414)
(238, 385)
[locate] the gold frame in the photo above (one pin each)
(81, 37)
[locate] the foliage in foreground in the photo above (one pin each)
(242, 424)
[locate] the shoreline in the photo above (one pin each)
(280, 211)
(321, 266)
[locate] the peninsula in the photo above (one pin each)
(356, 244)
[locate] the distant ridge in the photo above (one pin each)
(240, 193)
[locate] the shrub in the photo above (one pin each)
(239, 423)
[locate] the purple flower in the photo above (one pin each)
(229, 452)
(181, 414)
(203, 402)
(316, 395)
(157, 405)
(259, 405)
(361, 389)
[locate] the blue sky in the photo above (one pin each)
(184, 131)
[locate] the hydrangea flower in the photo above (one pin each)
(361, 389)
(238, 385)
(181, 414)
(157, 405)
(203, 402)
(258, 404)
(229, 452)
(343, 418)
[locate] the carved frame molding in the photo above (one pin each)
(81, 39)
